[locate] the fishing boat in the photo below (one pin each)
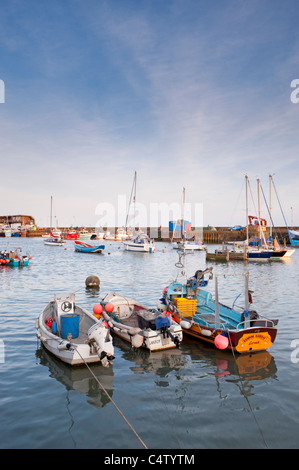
(140, 326)
(54, 241)
(70, 235)
(201, 316)
(294, 237)
(85, 235)
(14, 258)
(73, 334)
(86, 248)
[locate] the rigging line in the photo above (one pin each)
(279, 204)
(246, 398)
(108, 396)
(261, 232)
(269, 212)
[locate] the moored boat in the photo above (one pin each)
(70, 235)
(73, 334)
(205, 318)
(86, 248)
(140, 243)
(14, 258)
(54, 241)
(139, 325)
(188, 245)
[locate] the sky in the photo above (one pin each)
(190, 94)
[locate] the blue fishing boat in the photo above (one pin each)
(14, 258)
(294, 237)
(204, 317)
(85, 248)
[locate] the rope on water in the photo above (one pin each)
(107, 394)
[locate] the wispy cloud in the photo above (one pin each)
(187, 93)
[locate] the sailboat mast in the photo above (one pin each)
(259, 205)
(135, 184)
(51, 212)
(270, 204)
(246, 181)
(183, 215)
(133, 191)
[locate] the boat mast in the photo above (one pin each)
(262, 236)
(247, 237)
(183, 235)
(51, 212)
(270, 204)
(134, 200)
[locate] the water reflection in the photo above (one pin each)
(79, 378)
(256, 366)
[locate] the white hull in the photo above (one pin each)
(142, 248)
(87, 347)
(54, 243)
(124, 324)
(188, 246)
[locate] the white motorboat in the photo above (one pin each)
(73, 334)
(139, 325)
(188, 245)
(140, 242)
(54, 241)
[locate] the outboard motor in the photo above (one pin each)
(103, 343)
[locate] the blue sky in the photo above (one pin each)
(188, 93)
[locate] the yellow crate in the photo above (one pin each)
(185, 306)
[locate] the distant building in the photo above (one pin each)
(17, 219)
(177, 226)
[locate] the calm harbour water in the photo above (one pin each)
(194, 397)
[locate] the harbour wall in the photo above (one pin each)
(207, 235)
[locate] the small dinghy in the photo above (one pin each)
(139, 325)
(72, 334)
(86, 248)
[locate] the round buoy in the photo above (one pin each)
(97, 309)
(109, 307)
(221, 341)
(92, 281)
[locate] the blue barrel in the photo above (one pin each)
(54, 327)
(69, 324)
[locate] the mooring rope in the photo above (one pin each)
(108, 396)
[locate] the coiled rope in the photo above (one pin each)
(108, 396)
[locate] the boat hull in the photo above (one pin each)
(142, 248)
(137, 328)
(85, 248)
(188, 246)
(241, 341)
(83, 347)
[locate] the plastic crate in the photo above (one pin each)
(185, 306)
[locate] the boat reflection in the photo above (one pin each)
(79, 378)
(256, 366)
(157, 362)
